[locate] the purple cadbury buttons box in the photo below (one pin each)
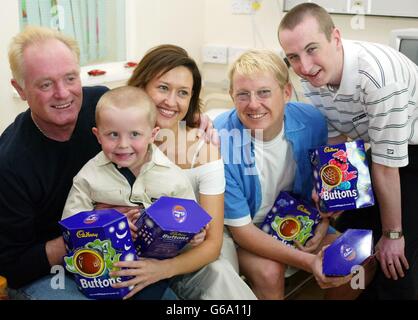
(167, 226)
(96, 240)
(341, 176)
(351, 249)
(291, 219)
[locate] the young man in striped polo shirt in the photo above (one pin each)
(366, 91)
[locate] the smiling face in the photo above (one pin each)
(52, 85)
(311, 55)
(171, 93)
(265, 107)
(125, 135)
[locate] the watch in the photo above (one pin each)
(392, 234)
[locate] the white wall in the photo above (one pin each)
(154, 22)
(260, 30)
(376, 29)
(179, 22)
(240, 31)
(9, 106)
(192, 24)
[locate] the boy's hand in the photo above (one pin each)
(131, 213)
(199, 237)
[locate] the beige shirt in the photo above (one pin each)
(100, 182)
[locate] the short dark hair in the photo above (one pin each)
(296, 15)
(161, 59)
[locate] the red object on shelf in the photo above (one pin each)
(96, 72)
(130, 64)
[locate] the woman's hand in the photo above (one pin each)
(144, 272)
(199, 237)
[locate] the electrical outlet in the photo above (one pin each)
(242, 7)
(215, 54)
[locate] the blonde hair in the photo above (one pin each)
(34, 35)
(128, 97)
(255, 61)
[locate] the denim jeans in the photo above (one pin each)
(42, 290)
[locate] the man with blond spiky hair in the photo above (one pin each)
(264, 143)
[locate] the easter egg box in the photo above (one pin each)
(351, 249)
(291, 219)
(341, 176)
(95, 240)
(167, 226)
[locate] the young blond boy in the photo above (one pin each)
(130, 170)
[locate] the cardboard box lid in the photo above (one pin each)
(91, 219)
(177, 214)
(350, 249)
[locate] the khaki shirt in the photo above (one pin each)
(100, 182)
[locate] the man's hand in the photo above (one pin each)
(312, 245)
(391, 255)
(324, 215)
(206, 129)
(55, 251)
(323, 281)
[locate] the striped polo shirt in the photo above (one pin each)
(376, 101)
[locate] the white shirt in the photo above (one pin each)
(376, 101)
(209, 178)
(276, 171)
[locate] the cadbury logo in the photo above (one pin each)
(91, 219)
(330, 149)
(348, 252)
(83, 234)
(179, 213)
(302, 208)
